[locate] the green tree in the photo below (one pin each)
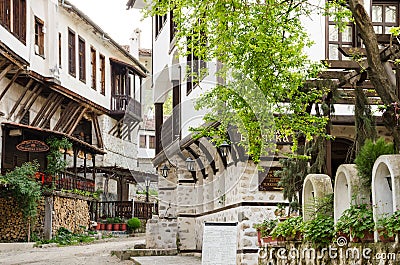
(263, 43)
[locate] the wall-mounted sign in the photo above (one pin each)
(34, 146)
(268, 181)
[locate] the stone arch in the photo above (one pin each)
(314, 186)
(385, 185)
(347, 186)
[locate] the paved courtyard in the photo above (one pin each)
(168, 260)
(92, 254)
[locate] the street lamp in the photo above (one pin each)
(164, 171)
(190, 164)
(224, 147)
(147, 184)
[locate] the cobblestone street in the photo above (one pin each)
(93, 254)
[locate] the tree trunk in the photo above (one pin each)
(378, 75)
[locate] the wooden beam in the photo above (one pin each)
(14, 108)
(77, 121)
(52, 111)
(10, 83)
(339, 64)
(30, 100)
(70, 120)
(46, 105)
(5, 71)
(97, 131)
(64, 115)
(3, 62)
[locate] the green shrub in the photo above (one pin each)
(319, 230)
(133, 223)
(367, 156)
(288, 228)
(266, 227)
(356, 220)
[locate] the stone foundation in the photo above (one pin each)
(161, 233)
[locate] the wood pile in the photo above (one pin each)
(13, 227)
(70, 213)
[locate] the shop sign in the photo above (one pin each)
(34, 146)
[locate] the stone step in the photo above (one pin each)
(128, 253)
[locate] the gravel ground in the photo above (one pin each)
(92, 254)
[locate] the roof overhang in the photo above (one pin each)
(75, 141)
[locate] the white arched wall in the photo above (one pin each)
(348, 186)
(386, 201)
(314, 186)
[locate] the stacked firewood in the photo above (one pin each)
(13, 227)
(70, 213)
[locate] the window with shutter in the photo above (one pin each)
(71, 53)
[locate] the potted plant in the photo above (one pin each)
(319, 230)
(358, 222)
(290, 229)
(388, 226)
(117, 223)
(280, 210)
(133, 224)
(123, 226)
(264, 230)
(109, 225)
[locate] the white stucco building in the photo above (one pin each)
(61, 75)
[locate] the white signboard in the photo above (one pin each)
(219, 244)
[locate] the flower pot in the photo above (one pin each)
(123, 227)
(102, 226)
(259, 237)
(368, 238)
(109, 227)
(115, 227)
(98, 226)
(383, 237)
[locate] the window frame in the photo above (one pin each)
(93, 65)
(384, 24)
(159, 24)
(339, 42)
(39, 36)
(59, 50)
(152, 142)
(71, 52)
(18, 19)
(141, 143)
(82, 59)
(5, 14)
(102, 67)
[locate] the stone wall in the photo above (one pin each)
(12, 226)
(71, 213)
(161, 233)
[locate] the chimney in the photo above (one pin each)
(135, 43)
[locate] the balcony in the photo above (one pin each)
(68, 181)
(123, 105)
(124, 209)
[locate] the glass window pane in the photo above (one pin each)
(376, 13)
(378, 29)
(333, 52)
(387, 29)
(347, 34)
(333, 33)
(344, 58)
(390, 14)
